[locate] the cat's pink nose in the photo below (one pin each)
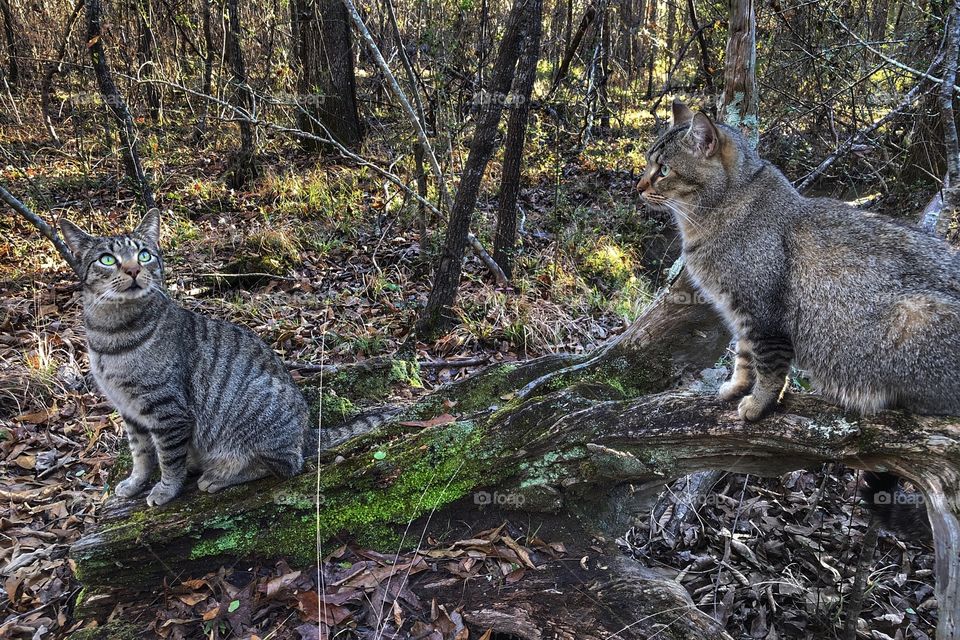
(132, 270)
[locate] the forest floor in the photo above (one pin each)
(344, 274)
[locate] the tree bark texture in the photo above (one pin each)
(324, 51)
(244, 166)
(739, 106)
(9, 33)
(437, 315)
(505, 241)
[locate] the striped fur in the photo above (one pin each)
(868, 307)
(330, 437)
(194, 392)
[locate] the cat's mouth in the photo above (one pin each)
(654, 201)
(135, 290)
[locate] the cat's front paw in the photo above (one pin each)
(162, 494)
(129, 487)
(731, 390)
(752, 409)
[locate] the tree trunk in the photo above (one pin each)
(671, 30)
(505, 242)
(564, 68)
(13, 63)
(654, 51)
(705, 67)
(117, 105)
(324, 52)
(951, 191)
(739, 107)
(603, 84)
(146, 57)
(437, 314)
(568, 440)
(243, 167)
(53, 68)
(201, 128)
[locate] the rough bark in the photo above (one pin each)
(505, 241)
(13, 63)
(951, 190)
(437, 315)
(244, 165)
(146, 57)
(739, 106)
(117, 105)
(575, 436)
(653, 49)
(324, 53)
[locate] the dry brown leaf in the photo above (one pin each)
(440, 420)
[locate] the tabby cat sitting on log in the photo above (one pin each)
(869, 307)
(194, 392)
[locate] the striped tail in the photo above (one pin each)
(330, 437)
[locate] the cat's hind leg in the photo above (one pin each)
(743, 375)
(221, 473)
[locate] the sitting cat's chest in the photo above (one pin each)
(126, 380)
(721, 291)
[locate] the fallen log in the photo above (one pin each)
(582, 442)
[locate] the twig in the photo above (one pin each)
(475, 244)
(404, 102)
(855, 603)
(259, 274)
(848, 144)
(42, 226)
(923, 74)
(328, 369)
(453, 364)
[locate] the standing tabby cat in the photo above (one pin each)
(191, 389)
(870, 308)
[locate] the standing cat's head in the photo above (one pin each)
(691, 167)
(118, 268)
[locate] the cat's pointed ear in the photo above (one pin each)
(704, 135)
(75, 237)
(149, 227)
(681, 113)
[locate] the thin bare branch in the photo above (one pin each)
(44, 228)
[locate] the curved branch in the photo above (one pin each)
(44, 228)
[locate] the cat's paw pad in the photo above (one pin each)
(211, 484)
(751, 409)
(161, 494)
(129, 487)
(730, 390)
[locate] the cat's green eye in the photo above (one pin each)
(664, 170)
(108, 260)
(144, 256)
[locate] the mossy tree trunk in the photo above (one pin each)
(571, 439)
